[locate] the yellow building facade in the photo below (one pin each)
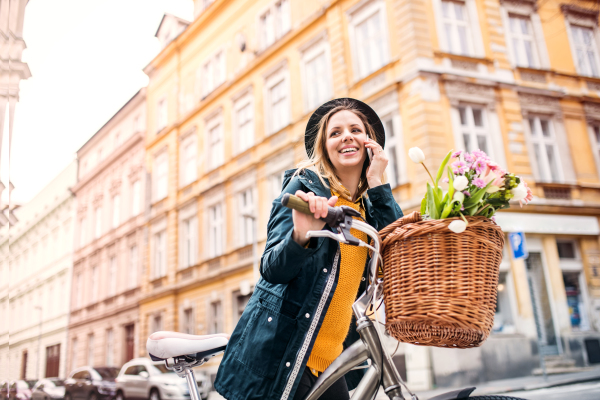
(228, 100)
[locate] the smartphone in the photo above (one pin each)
(370, 153)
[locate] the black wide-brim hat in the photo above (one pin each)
(310, 134)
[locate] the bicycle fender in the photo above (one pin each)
(455, 394)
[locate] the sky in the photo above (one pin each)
(86, 59)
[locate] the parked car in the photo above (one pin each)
(19, 390)
(87, 383)
(142, 378)
(48, 389)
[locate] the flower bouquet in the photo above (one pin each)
(442, 264)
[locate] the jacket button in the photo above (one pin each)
(307, 315)
(309, 181)
(362, 279)
(325, 270)
(287, 364)
(270, 319)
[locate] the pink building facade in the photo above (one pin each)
(109, 241)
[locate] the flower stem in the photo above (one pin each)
(432, 181)
(463, 217)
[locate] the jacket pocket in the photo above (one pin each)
(264, 341)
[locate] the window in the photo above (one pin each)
(243, 124)
(368, 32)
(274, 23)
(116, 210)
(391, 141)
(188, 160)
(215, 144)
(110, 344)
(473, 129)
(245, 223)
(161, 115)
(78, 291)
(157, 323)
(277, 102)
(317, 77)
(90, 350)
(239, 303)
(161, 176)
(456, 33)
(545, 149)
(136, 194)
(94, 284)
(98, 222)
(82, 234)
(595, 130)
(275, 184)
(160, 254)
(189, 241)
(215, 318)
(213, 73)
(577, 309)
(216, 226)
(522, 39)
(188, 321)
(112, 276)
(74, 353)
(566, 250)
(133, 267)
(585, 50)
(503, 320)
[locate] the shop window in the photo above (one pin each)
(575, 300)
(566, 250)
(503, 320)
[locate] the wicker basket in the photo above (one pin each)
(440, 287)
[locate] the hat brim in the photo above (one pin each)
(312, 127)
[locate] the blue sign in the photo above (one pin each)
(517, 243)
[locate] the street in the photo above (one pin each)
(580, 391)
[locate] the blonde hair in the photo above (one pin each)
(319, 161)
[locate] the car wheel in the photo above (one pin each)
(154, 395)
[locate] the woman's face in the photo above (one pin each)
(346, 136)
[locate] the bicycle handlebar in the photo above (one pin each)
(296, 203)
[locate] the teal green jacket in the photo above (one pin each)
(273, 339)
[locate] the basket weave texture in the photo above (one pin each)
(440, 287)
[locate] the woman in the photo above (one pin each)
(299, 317)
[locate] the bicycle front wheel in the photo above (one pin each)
(492, 397)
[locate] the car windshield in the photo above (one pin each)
(56, 382)
(162, 369)
(108, 373)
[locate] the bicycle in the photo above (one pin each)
(188, 351)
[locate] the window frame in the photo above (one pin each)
(280, 75)
(245, 225)
(473, 19)
(215, 121)
(581, 24)
(159, 255)
(157, 174)
(240, 102)
(317, 47)
(216, 242)
(593, 126)
(116, 210)
(133, 266)
(188, 163)
(278, 28)
(188, 231)
(357, 15)
(531, 141)
(162, 114)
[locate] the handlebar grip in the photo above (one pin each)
(295, 203)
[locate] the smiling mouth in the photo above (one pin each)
(349, 150)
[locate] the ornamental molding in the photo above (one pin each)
(592, 112)
(580, 15)
(537, 103)
(520, 6)
(134, 172)
(461, 92)
(115, 186)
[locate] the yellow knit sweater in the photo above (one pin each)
(329, 343)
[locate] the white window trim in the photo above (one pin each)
(271, 7)
(188, 139)
(241, 100)
(161, 156)
(157, 227)
(525, 9)
(274, 77)
(239, 220)
(218, 78)
(577, 20)
(213, 198)
(534, 162)
(188, 213)
(594, 143)
(309, 51)
(211, 121)
(474, 25)
(357, 14)
(160, 127)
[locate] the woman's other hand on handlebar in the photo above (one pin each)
(304, 222)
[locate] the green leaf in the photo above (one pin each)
(442, 167)
(451, 182)
(437, 197)
(431, 206)
(447, 210)
(477, 196)
(424, 205)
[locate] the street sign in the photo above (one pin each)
(517, 243)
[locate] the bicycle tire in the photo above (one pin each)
(493, 397)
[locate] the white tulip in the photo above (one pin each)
(492, 189)
(457, 226)
(519, 193)
(459, 196)
(416, 155)
(460, 183)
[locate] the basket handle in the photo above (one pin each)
(407, 219)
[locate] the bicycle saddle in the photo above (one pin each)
(163, 345)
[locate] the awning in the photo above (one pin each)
(555, 224)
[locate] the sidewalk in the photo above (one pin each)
(520, 384)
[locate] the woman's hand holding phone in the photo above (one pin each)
(378, 164)
(303, 222)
